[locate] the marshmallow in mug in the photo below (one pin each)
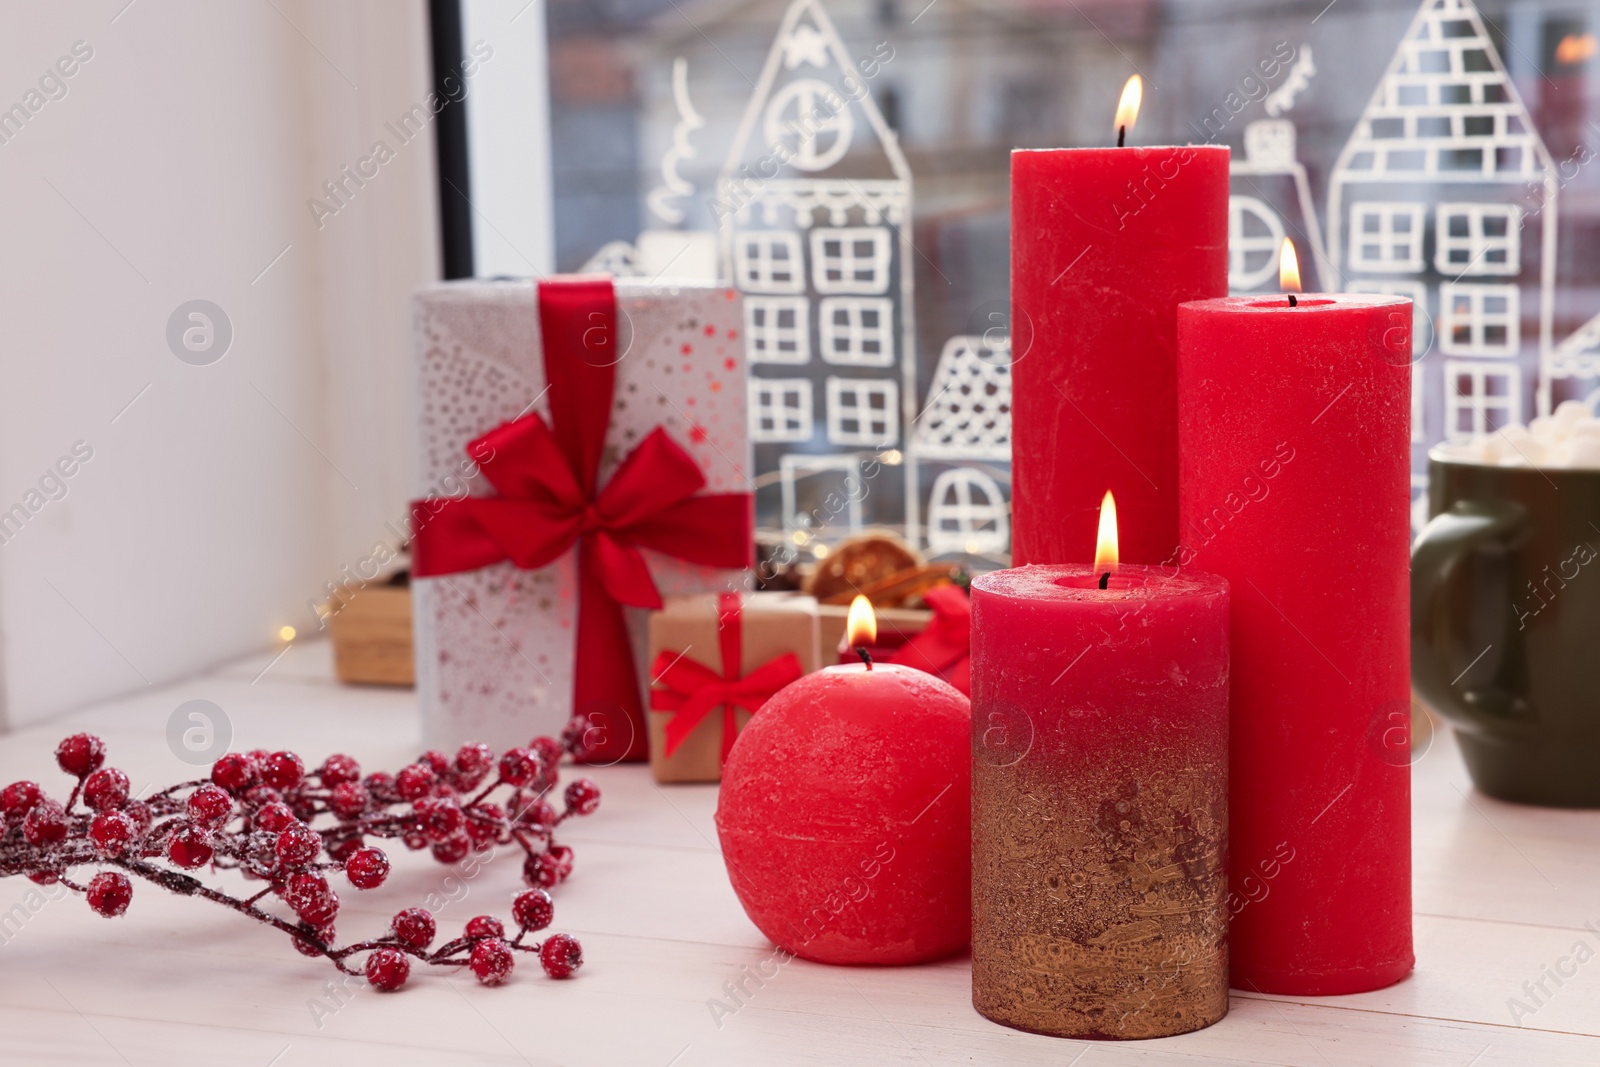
(1570, 437)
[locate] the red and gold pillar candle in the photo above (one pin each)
(1295, 474)
(1099, 797)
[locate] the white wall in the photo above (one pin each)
(178, 166)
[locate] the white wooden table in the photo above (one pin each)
(1502, 895)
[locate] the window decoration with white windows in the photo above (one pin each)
(769, 261)
(1481, 397)
(1473, 239)
(780, 409)
(1478, 319)
(1386, 236)
(850, 259)
(777, 329)
(857, 331)
(863, 411)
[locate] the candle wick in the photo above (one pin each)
(1105, 579)
(1293, 301)
(1122, 136)
(862, 652)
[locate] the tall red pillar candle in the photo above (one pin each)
(1099, 800)
(1105, 244)
(1295, 472)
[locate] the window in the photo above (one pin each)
(1481, 397)
(850, 260)
(780, 409)
(1385, 236)
(863, 412)
(1421, 321)
(1479, 320)
(858, 331)
(1255, 235)
(1477, 239)
(768, 261)
(967, 513)
(776, 329)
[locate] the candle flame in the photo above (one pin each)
(1105, 547)
(1288, 268)
(861, 625)
(1128, 106)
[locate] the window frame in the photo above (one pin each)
(800, 334)
(758, 409)
(864, 388)
(882, 260)
(1387, 211)
(1476, 244)
(855, 331)
(754, 274)
(1479, 320)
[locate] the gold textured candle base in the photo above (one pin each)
(1098, 898)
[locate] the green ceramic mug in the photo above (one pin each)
(1505, 625)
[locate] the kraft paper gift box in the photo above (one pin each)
(714, 660)
(648, 399)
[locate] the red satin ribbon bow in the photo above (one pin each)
(690, 689)
(549, 502)
(944, 647)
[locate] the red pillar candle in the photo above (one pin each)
(1105, 243)
(1100, 804)
(1295, 474)
(843, 815)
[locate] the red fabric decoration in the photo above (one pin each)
(550, 501)
(691, 689)
(944, 647)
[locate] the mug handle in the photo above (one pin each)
(1448, 540)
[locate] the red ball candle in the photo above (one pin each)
(1105, 244)
(1100, 804)
(1295, 487)
(843, 816)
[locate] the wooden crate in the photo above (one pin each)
(372, 637)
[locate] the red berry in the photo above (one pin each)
(210, 806)
(414, 927)
(439, 818)
(519, 766)
(339, 769)
(45, 877)
(301, 802)
(259, 796)
(535, 811)
(437, 760)
(533, 909)
(308, 894)
(45, 824)
(473, 763)
(344, 849)
(414, 840)
(388, 969)
(367, 868)
(140, 813)
(485, 926)
(283, 770)
(561, 955)
(491, 961)
(349, 800)
(452, 850)
(303, 942)
(80, 754)
(18, 798)
(298, 845)
(112, 832)
(274, 817)
(106, 788)
(381, 786)
(415, 782)
(109, 893)
(190, 847)
(561, 856)
(540, 871)
(583, 796)
(486, 824)
(235, 772)
(548, 749)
